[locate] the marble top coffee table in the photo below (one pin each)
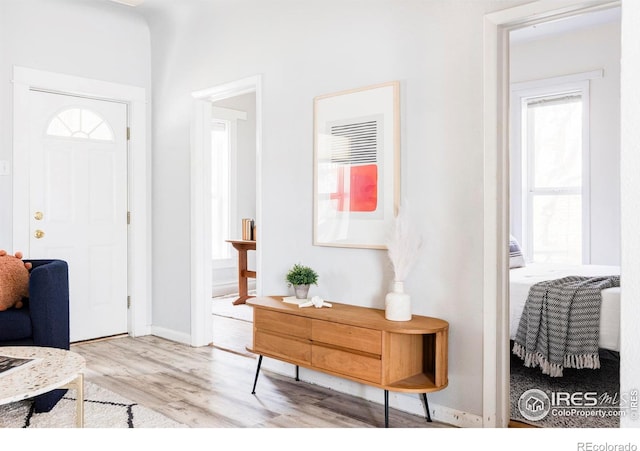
(52, 369)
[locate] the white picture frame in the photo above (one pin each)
(356, 166)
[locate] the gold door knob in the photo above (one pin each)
(38, 215)
(39, 234)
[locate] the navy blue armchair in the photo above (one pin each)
(44, 318)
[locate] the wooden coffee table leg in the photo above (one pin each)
(78, 385)
(80, 401)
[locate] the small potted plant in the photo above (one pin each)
(301, 277)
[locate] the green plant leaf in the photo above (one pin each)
(302, 275)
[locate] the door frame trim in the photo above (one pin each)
(139, 175)
(201, 264)
(495, 385)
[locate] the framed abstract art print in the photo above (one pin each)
(356, 166)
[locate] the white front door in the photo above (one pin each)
(78, 204)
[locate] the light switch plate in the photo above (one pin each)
(5, 167)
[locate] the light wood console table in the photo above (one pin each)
(242, 246)
(355, 343)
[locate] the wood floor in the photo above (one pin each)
(210, 387)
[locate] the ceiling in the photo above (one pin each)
(544, 29)
(129, 2)
(565, 25)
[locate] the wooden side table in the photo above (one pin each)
(242, 246)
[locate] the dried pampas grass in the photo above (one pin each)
(403, 244)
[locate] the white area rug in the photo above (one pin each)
(223, 306)
(102, 409)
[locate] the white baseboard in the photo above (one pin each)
(170, 334)
(455, 417)
(141, 331)
(230, 287)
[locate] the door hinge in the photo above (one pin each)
(128, 301)
(128, 133)
(128, 218)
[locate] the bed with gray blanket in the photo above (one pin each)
(581, 305)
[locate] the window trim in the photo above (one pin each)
(519, 168)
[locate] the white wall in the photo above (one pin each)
(585, 50)
(98, 40)
(305, 49)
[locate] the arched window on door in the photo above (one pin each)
(80, 123)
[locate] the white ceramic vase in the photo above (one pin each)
(397, 304)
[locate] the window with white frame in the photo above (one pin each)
(221, 193)
(224, 197)
(552, 152)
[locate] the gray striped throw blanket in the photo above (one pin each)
(560, 324)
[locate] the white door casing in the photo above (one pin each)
(139, 175)
(497, 25)
(201, 274)
(78, 203)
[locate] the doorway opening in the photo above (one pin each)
(233, 188)
(498, 220)
(565, 196)
(225, 185)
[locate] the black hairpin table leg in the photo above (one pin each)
(426, 405)
(255, 381)
(297, 373)
(386, 408)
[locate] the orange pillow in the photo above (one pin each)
(14, 280)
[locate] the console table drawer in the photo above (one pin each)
(283, 323)
(282, 346)
(358, 338)
(347, 363)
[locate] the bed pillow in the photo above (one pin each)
(516, 259)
